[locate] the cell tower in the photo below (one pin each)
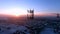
(58, 15)
(30, 14)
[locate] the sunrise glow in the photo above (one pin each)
(14, 11)
(20, 7)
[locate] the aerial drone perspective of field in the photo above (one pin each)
(29, 16)
(30, 25)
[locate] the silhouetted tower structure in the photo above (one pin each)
(58, 16)
(30, 14)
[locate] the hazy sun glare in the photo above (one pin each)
(15, 11)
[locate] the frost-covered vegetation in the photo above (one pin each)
(36, 26)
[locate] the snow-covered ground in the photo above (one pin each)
(47, 26)
(10, 29)
(47, 31)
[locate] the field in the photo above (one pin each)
(39, 25)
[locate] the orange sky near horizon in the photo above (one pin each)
(36, 14)
(20, 12)
(14, 11)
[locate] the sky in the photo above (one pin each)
(17, 7)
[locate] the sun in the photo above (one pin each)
(15, 11)
(17, 14)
